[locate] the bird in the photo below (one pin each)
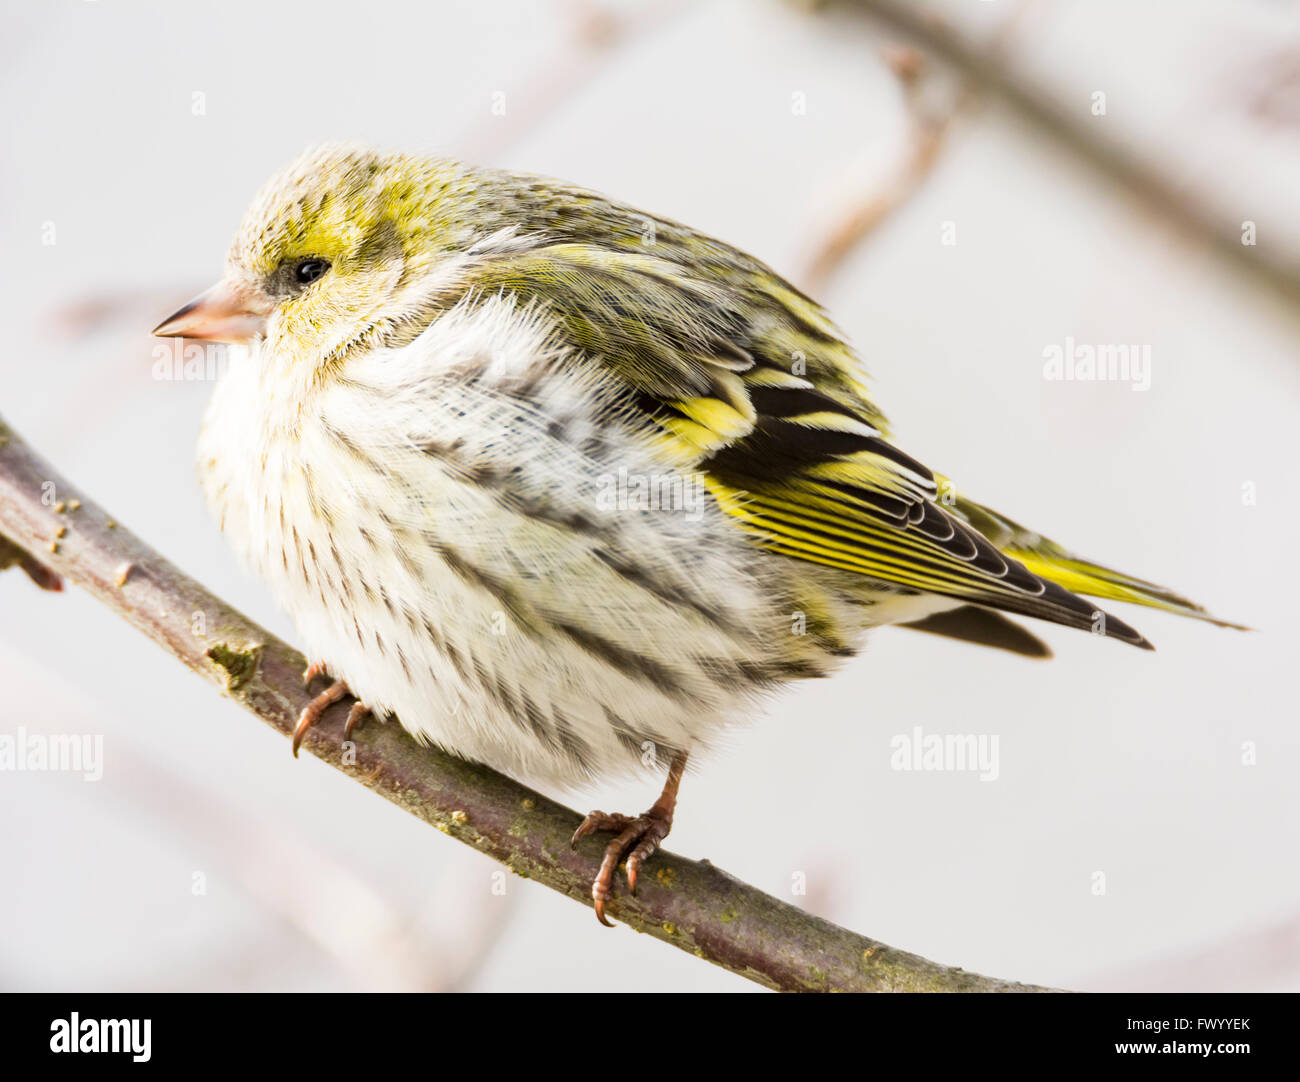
(571, 489)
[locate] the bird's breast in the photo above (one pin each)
(520, 578)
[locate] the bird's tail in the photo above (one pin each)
(1055, 563)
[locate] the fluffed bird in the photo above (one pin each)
(569, 488)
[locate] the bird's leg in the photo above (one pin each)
(313, 710)
(638, 837)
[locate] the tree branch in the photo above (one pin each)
(692, 905)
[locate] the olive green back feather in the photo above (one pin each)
(747, 380)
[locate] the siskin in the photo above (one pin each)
(568, 487)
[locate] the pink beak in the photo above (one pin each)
(225, 313)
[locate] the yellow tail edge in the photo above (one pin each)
(1081, 577)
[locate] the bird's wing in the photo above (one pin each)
(748, 382)
(1046, 557)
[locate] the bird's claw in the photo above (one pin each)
(356, 718)
(313, 710)
(638, 836)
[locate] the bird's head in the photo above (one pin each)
(327, 248)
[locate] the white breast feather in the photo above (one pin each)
(350, 515)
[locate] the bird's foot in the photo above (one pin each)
(312, 712)
(638, 836)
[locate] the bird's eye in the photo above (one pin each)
(308, 270)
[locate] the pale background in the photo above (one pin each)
(1112, 760)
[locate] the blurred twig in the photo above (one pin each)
(1110, 156)
(692, 905)
(595, 31)
(931, 111)
(928, 125)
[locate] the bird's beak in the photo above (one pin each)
(225, 313)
